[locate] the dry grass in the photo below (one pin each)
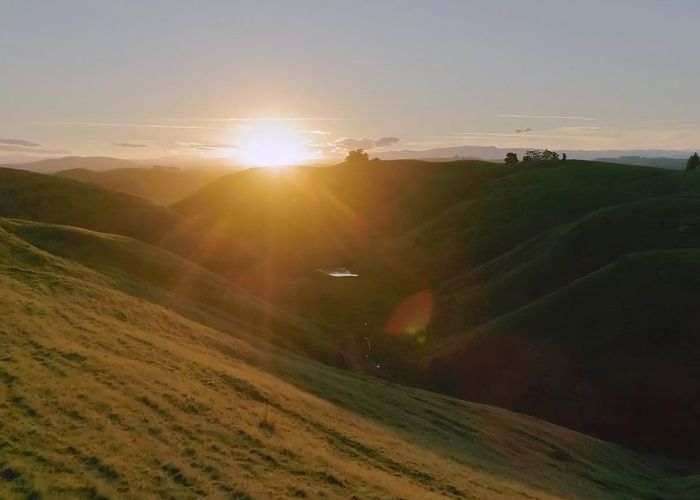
(104, 395)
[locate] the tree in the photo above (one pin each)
(563, 157)
(511, 159)
(532, 155)
(357, 156)
(538, 155)
(550, 155)
(693, 162)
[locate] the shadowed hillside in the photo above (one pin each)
(660, 162)
(161, 185)
(483, 241)
(437, 254)
(109, 395)
(613, 354)
(46, 198)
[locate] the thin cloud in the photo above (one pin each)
(20, 142)
(364, 143)
(548, 117)
(32, 150)
(133, 125)
(354, 143)
(386, 141)
(130, 145)
(522, 130)
(206, 146)
(576, 129)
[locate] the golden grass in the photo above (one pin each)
(104, 395)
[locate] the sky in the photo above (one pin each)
(154, 78)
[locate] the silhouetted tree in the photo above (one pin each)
(563, 157)
(538, 154)
(550, 155)
(357, 156)
(532, 155)
(693, 162)
(511, 159)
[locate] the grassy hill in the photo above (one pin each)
(107, 394)
(682, 184)
(660, 162)
(485, 242)
(46, 198)
(163, 278)
(444, 253)
(161, 185)
(612, 353)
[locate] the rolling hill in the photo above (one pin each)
(163, 278)
(53, 165)
(439, 258)
(660, 162)
(161, 185)
(484, 242)
(106, 393)
(46, 198)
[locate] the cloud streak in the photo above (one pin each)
(522, 130)
(365, 143)
(547, 117)
(31, 151)
(130, 145)
(20, 142)
(386, 141)
(206, 146)
(133, 125)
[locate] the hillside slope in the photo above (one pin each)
(47, 198)
(319, 216)
(163, 278)
(613, 354)
(437, 253)
(481, 242)
(161, 185)
(107, 395)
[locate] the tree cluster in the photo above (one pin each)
(693, 162)
(511, 159)
(357, 156)
(538, 155)
(533, 155)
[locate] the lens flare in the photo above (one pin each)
(412, 316)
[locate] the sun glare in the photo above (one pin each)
(272, 145)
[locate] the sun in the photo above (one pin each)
(272, 144)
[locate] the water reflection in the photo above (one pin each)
(338, 272)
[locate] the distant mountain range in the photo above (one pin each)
(494, 153)
(51, 165)
(664, 158)
(102, 163)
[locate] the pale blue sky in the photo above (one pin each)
(432, 73)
